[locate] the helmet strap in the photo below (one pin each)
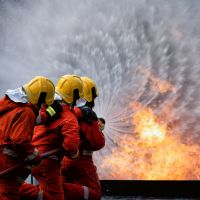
(41, 99)
(94, 93)
(76, 96)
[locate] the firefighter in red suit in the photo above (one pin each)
(80, 179)
(18, 112)
(61, 130)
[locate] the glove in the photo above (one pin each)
(88, 113)
(101, 126)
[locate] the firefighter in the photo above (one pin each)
(61, 130)
(18, 111)
(80, 179)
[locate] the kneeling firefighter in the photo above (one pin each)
(80, 179)
(60, 131)
(18, 111)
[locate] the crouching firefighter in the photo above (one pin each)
(60, 131)
(18, 111)
(80, 179)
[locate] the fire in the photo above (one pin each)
(153, 152)
(148, 126)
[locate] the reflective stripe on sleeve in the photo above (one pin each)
(51, 111)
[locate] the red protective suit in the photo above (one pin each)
(60, 133)
(80, 179)
(17, 121)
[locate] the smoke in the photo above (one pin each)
(113, 42)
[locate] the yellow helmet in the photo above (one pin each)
(36, 86)
(66, 86)
(89, 89)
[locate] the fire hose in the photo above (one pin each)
(43, 155)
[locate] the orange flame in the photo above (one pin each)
(148, 127)
(153, 152)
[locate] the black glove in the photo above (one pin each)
(88, 113)
(54, 110)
